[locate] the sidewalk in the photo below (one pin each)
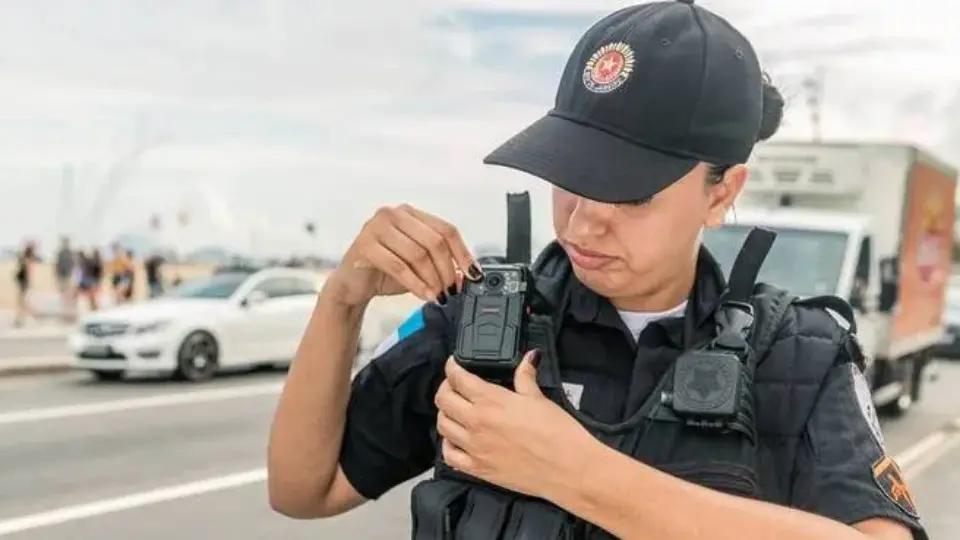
(34, 366)
(34, 331)
(34, 348)
(44, 327)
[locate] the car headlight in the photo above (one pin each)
(151, 327)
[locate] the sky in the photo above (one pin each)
(253, 117)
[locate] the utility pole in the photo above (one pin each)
(120, 172)
(813, 89)
(65, 218)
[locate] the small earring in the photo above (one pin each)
(716, 221)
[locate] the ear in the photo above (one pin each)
(723, 194)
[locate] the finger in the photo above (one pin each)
(461, 254)
(413, 253)
(409, 224)
(453, 405)
(525, 376)
(460, 278)
(455, 457)
(395, 267)
(451, 431)
(466, 384)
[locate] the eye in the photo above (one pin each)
(638, 202)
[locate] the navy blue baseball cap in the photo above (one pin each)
(649, 92)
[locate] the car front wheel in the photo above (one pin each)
(198, 357)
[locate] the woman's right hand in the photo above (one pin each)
(403, 250)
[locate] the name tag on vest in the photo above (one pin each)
(574, 394)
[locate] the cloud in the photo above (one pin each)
(278, 112)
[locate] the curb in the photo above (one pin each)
(34, 366)
(34, 334)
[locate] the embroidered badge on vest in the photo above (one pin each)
(888, 476)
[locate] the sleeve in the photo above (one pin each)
(847, 474)
(391, 417)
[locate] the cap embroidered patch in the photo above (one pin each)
(608, 68)
(888, 476)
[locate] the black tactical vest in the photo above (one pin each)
(751, 455)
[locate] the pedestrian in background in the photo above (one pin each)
(22, 277)
(92, 278)
(153, 268)
(121, 274)
(63, 271)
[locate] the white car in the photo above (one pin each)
(227, 320)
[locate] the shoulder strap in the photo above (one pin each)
(770, 305)
(837, 307)
(518, 228)
(551, 271)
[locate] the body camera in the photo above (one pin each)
(491, 332)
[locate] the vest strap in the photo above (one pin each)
(434, 505)
(536, 519)
(746, 267)
(484, 515)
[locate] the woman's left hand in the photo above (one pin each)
(518, 440)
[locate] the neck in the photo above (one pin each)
(669, 295)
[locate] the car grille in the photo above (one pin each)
(105, 329)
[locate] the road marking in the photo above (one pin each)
(122, 405)
(131, 501)
(913, 462)
(923, 454)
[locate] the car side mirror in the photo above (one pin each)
(254, 298)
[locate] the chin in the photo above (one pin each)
(598, 281)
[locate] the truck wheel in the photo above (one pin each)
(912, 381)
(920, 376)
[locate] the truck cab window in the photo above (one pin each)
(861, 279)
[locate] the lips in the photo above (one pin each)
(587, 259)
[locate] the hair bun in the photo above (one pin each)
(773, 104)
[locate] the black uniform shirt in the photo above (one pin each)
(391, 417)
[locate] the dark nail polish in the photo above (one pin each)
(452, 290)
(474, 272)
(442, 299)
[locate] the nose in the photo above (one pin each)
(589, 218)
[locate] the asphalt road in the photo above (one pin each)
(157, 460)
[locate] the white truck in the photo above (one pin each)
(870, 223)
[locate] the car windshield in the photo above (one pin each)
(220, 286)
(806, 262)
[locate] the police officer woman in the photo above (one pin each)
(658, 108)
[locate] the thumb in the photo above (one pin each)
(525, 377)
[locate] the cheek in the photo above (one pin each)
(563, 206)
(659, 236)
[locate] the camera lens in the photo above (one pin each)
(494, 281)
